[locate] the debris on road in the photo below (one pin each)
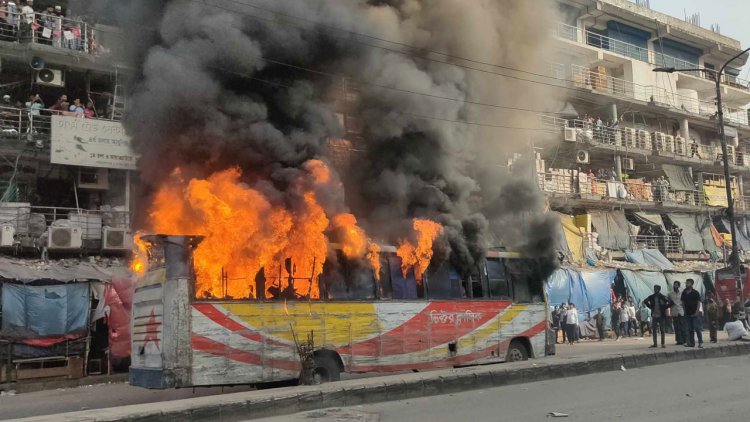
(557, 415)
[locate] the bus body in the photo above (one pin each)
(180, 341)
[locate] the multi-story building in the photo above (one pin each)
(66, 176)
(66, 173)
(636, 160)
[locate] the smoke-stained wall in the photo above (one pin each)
(252, 83)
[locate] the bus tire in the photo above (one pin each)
(516, 352)
(326, 369)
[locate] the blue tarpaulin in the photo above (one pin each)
(44, 311)
(649, 257)
(588, 290)
(641, 283)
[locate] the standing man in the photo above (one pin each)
(563, 321)
(691, 303)
(624, 319)
(571, 323)
(615, 319)
(556, 321)
(712, 315)
(678, 313)
(599, 319)
(659, 305)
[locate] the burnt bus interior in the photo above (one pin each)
(501, 276)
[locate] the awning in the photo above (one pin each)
(613, 229)
(696, 232)
(571, 243)
(644, 218)
(743, 242)
(715, 196)
(679, 177)
(641, 284)
(649, 257)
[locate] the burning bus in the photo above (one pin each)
(299, 324)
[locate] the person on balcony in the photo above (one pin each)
(26, 33)
(35, 105)
(77, 108)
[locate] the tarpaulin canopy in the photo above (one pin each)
(679, 177)
(589, 290)
(704, 226)
(61, 271)
(613, 229)
(652, 257)
(743, 242)
(572, 238)
(648, 219)
(692, 231)
(31, 312)
(641, 283)
(682, 278)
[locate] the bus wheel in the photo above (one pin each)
(516, 352)
(326, 370)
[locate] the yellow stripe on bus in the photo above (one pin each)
(491, 327)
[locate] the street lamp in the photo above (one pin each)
(735, 256)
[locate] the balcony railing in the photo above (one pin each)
(51, 30)
(24, 124)
(571, 183)
(666, 244)
(574, 33)
(585, 78)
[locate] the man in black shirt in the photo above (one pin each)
(659, 305)
(691, 303)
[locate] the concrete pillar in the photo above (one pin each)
(618, 167)
(739, 199)
(685, 130)
(613, 112)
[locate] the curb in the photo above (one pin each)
(285, 401)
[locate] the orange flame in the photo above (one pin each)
(245, 232)
(373, 256)
(351, 237)
(418, 256)
(140, 254)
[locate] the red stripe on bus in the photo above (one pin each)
(207, 345)
(447, 362)
(421, 333)
(215, 315)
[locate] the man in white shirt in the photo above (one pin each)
(571, 323)
(678, 313)
(27, 19)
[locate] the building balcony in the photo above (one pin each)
(585, 37)
(665, 244)
(589, 191)
(584, 78)
(19, 128)
(51, 31)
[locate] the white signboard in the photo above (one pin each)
(91, 143)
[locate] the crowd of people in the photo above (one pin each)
(20, 21)
(681, 312)
(36, 106)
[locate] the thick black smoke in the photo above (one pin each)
(257, 83)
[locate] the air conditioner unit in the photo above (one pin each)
(680, 147)
(51, 77)
(7, 235)
(659, 141)
(643, 139)
(628, 164)
(582, 157)
(618, 138)
(569, 134)
(93, 178)
(629, 137)
(64, 238)
(116, 239)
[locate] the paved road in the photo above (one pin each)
(112, 395)
(700, 390)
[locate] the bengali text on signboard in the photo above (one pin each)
(91, 143)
